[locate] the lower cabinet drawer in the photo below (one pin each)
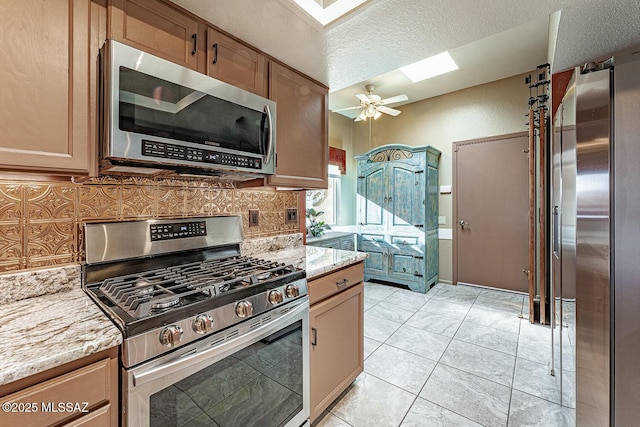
(338, 281)
(60, 398)
(101, 417)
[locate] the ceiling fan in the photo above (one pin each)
(373, 106)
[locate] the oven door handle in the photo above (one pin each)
(213, 354)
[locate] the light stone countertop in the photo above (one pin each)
(54, 324)
(329, 235)
(315, 260)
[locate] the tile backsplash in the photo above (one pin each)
(41, 222)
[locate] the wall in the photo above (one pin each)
(491, 109)
(41, 222)
(340, 136)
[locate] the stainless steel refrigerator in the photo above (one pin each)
(595, 257)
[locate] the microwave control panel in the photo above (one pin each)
(198, 155)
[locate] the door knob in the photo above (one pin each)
(463, 223)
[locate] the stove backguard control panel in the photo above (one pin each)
(177, 230)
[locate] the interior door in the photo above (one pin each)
(491, 212)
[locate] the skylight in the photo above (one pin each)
(429, 67)
(328, 14)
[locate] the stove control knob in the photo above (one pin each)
(244, 309)
(275, 297)
(171, 335)
(202, 324)
(292, 291)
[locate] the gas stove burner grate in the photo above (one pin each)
(146, 293)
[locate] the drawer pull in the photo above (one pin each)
(341, 284)
(195, 44)
(215, 53)
(314, 338)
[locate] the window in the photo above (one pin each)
(327, 201)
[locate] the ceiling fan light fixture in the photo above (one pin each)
(370, 111)
(429, 67)
(377, 115)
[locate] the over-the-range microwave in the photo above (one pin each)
(160, 116)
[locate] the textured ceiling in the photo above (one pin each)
(386, 34)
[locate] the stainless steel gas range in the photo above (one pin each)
(210, 337)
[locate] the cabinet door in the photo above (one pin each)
(44, 81)
(347, 243)
(376, 263)
(404, 262)
(157, 28)
(235, 63)
(372, 198)
(302, 145)
(402, 205)
(337, 346)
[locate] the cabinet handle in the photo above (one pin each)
(390, 199)
(195, 44)
(314, 338)
(386, 199)
(215, 53)
(341, 284)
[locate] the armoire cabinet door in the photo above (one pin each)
(372, 188)
(402, 203)
(376, 263)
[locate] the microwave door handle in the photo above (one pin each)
(269, 153)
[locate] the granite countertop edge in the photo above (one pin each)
(317, 261)
(54, 323)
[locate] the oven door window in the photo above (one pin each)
(260, 385)
(156, 107)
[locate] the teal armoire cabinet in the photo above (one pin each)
(397, 214)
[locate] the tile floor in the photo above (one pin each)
(456, 356)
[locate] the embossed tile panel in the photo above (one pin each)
(41, 222)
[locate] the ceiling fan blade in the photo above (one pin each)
(362, 116)
(345, 109)
(362, 97)
(397, 98)
(388, 110)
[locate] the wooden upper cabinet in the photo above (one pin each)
(44, 81)
(235, 63)
(302, 145)
(156, 27)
